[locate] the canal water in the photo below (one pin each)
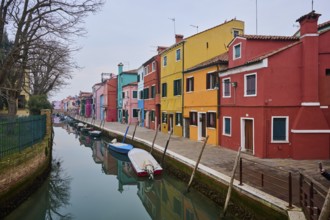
(89, 182)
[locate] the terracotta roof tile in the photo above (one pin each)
(220, 59)
(269, 37)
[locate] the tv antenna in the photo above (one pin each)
(195, 26)
(312, 5)
(173, 19)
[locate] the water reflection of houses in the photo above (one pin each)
(165, 200)
(98, 155)
(119, 165)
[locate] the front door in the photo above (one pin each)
(248, 134)
(201, 126)
(170, 122)
(186, 127)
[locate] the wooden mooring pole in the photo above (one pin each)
(153, 142)
(125, 133)
(197, 162)
(137, 123)
(231, 182)
(168, 141)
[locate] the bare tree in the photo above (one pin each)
(50, 66)
(28, 21)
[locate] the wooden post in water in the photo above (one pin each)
(125, 133)
(153, 142)
(231, 182)
(137, 123)
(168, 140)
(197, 162)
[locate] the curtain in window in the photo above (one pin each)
(279, 129)
(251, 84)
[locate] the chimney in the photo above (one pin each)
(120, 68)
(178, 38)
(160, 49)
(310, 55)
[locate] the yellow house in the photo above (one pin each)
(201, 96)
(182, 56)
(171, 87)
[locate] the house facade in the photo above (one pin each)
(204, 56)
(201, 100)
(111, 98)
(275, 94)
(140, 80)
(152, 83)
(130, 108)
(124, 78)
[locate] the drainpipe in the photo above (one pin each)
(218, 104)
(182, 88)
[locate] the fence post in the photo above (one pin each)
(262, 180)
(311, 195)
(240, 172)
(290, 190)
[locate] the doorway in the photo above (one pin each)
(170, 122)
(201, 126)
(247, 140)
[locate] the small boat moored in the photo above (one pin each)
(144, 163)
(122, 148)
(95, 133)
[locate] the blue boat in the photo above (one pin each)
(122, 148)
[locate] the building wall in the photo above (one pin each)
(130, 103)
(210, 43)
(171, 104)
(99, 92)
(111, 88)
(141, 74)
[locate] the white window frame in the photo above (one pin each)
(240, 51)
(224, 126)
(223, 88)
(286, 127)
(164, 61)
(178, 58)
(188, 78)
(245, 85)
(153, 66)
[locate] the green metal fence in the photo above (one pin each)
(18, 133)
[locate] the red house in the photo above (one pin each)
(275, 93)
(152, 81)
(111, 107)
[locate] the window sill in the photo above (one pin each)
(279, 142)
(227, 135)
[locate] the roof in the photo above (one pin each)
(264, 56)
(184, 39)
(220, 59)
(129, 72)
(270, 37)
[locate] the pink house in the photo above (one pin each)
(130, 103)
(274, 95)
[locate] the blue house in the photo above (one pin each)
(140, 79)
(124, 78)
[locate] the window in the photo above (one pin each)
(235, 33)
(178, 55)
(164, 117)
(152, 115)
(153, 92)
(226, 88)
(226, 126)
(327, 72)
(135, 113)
(178, 119)
(164, 89)
(21, 102)
(146, 69)
(134, 94)
(153, 66)
(250, 84)
(193, 118)
(190, 84)
(165, 61)
(211, 80)
(138, 77)
(141, 94)
(237, 51)
(280, 129)
(146, 93)
(123, 95)
(211, 119)
(177, 87)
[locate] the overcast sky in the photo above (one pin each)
(129, 31)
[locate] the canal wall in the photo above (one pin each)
(23, 173)
(246, 201)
